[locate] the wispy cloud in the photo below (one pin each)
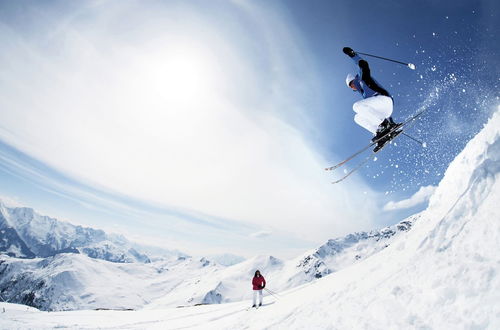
(421, 196)
(191, 114)
(261, 234)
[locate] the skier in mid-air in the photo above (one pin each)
(258, 283)
(374, 111)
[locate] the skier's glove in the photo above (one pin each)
(348, 51)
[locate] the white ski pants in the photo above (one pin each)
(255, 292)
(372, 111)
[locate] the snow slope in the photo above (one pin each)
(442, 274)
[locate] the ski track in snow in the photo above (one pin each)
(442, 274)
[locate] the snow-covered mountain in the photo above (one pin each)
(71, 281)
(65, 281)
(342, 252)
(26, 234)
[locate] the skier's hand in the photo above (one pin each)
(348, 51)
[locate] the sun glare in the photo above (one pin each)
(184, 76)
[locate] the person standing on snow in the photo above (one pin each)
(374, 111)
(258, 283)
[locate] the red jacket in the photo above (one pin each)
(258, 282)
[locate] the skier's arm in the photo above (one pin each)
(263, 282)
(364, 69)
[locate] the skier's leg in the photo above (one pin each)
(367, 122)
(260, 297)
(364, 116)
(372, 111)
(254, 298)
(381, 106)
(378, 106)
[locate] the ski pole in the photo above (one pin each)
(423, 144)
(272, 294)
(410, 65)
(271, 291)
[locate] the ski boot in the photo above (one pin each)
(386, 131)
(385, 127)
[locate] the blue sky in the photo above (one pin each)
(205, 127)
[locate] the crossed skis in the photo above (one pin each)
(398, 130)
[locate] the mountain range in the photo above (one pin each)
(55, 265)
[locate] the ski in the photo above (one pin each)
(371, 144)
(370, 156)
(373, 153)
(331, 168)
(357, 167)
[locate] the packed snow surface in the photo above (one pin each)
(442, 274)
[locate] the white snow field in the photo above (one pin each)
(442, 274)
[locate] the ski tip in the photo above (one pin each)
(411, 66)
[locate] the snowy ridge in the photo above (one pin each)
(26, 234)
(342, 252)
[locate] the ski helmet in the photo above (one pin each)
(350, 77)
